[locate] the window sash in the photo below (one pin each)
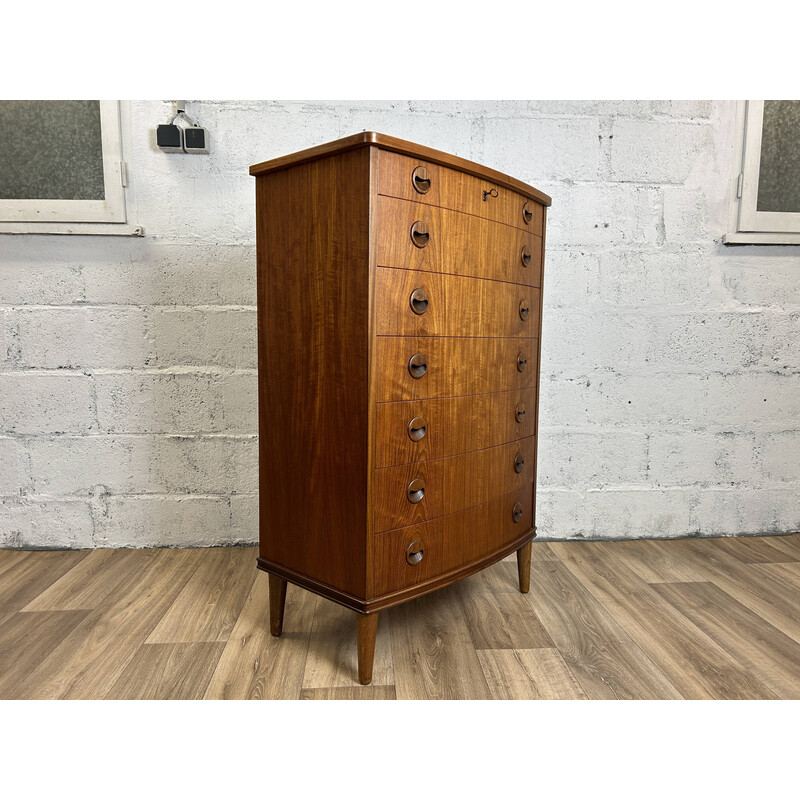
(111, 209)
(750, 219)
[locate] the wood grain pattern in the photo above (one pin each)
(90, 581)
(691, 660)
(393, 144)
(524, 567)
(453, 425)
(758, 646)
(209, 604)
(482, 530)
(367, 629)
(256, 665)
(539, 674)
(323, 232)
(433, 653)
(453, 189)
(333, 659)
(10, 558)
(26, 638)
(456, 306)
(450, 484)
(755, 551)
(650, 561)
(371, 692)
(89, 660)
(312, 229)
(453, 366)
(458, 244)
(605, 661)
(788, 545)
(597, 616)
(168, 671)
(26, 578)
(773, 600)
(500, 621)
(277, 604)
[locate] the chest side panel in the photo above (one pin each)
(312, 223)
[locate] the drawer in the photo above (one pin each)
(418, 430)
(413, 303)
(412, 367)
(425, 182)
(418, 553)
(424, 237)
(414, 493)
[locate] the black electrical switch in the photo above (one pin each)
(170, 138)
(195, 140)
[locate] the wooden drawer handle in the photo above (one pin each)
(415, 552)
(418, 301)
(519, 412)
(516, 512)
(417, 365)
(417, 429)
(519, 463)
(527, 214)
(526, 256)
(415, 490)
(524, 309)
(522, 362)
(420, 234)
(421, 180)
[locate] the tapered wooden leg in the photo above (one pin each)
(277, 602)
(524, 567)
(367, 631)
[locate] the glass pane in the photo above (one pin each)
(51, 150)
(779, 179)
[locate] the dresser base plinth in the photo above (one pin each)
(367, 619)
(395, 598)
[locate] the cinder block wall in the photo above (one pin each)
(670, 399)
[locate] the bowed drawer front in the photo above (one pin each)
(399, 311)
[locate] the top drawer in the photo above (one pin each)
(425, 182)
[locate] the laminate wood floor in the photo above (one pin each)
(693, 618)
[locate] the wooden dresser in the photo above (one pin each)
(399, 310)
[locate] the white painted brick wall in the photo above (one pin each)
(670, 395)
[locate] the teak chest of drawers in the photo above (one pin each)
(399, 310)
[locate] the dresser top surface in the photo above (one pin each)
(384, 142)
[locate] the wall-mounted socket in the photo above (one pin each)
(170, 138)
(195, 140)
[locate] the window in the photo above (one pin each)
(765, 207)
(62, 168)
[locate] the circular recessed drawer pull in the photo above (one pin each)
(527, 213)
(525, 256)
(419, 301)
(516, 512)
(524, 309)
(415, 490)
(415, 552)
(417, 365)
(519, 463)
(417, 429)
(522, 362)
(421, 179)
(519, 412)
(419, 234)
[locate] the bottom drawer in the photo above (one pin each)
(418, 553)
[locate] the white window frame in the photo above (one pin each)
(108, 216)
(747, 225)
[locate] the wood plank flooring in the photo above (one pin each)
(693, 618)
